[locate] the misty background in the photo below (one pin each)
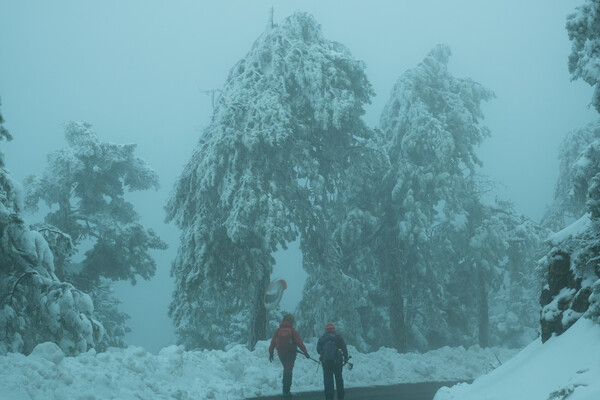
(138, 72)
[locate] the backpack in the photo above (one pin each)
(330, 351)
(284, 341)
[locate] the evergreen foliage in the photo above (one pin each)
(514, 295)
(583, 27)
(570, 194)
(450, 247)
(348, 291)
(576, 248)
(4, 134)
(579, 242)
(399, 245)
(84, 186)
(267, 169)
(431, 124)
(35, 306)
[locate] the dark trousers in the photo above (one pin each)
(287, 360)
(332, 369)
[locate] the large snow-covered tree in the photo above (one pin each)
(35, 306)
(266, 170)
(84, 186)
(432, 127)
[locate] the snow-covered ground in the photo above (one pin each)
(565, 367)
(173, 373)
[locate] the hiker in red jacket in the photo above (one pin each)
(286, 340)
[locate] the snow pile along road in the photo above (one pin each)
(133, 373)
(565, 367)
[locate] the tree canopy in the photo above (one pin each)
(264, 171)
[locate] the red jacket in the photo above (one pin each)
(295, 336)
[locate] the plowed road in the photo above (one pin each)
(406, 391)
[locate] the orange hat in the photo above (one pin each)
(329, 328)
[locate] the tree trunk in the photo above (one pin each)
(397, 326)
(484, 322)
(258, 323)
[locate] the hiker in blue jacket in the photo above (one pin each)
(333, 355)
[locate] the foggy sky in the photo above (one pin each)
(136, 70)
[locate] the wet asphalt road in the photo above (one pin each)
(406, 391)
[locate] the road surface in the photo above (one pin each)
(405, 391)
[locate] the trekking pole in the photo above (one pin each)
(310, 358)
(350, 365)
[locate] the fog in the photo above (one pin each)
(138, 72)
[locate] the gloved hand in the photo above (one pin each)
(346, 359)
(270, 357)
(306, 355)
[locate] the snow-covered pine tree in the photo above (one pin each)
(265, 170)
(583, 27)
(84, 186)
(502, 253)
(432, 127)
(573, 274)
(514, 295)
(569, 197)
(35, 306)
(573, 271)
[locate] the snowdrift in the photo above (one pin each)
(566, 366)
(173, 373)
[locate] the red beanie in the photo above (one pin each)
(329, 328)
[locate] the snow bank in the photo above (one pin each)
(173, 373)
(575, 229)
(566, 366)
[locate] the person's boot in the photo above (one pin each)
(287, 383)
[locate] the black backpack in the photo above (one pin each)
(330, 350)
